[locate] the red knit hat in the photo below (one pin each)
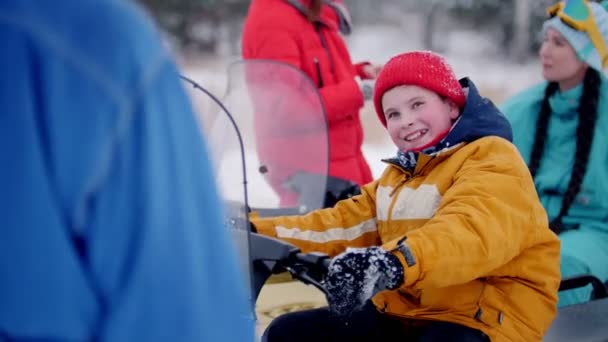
(421, 68)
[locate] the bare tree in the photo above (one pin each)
(521, 23)
(432, 10)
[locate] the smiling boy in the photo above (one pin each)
(453, 241)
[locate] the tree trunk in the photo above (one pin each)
(431, 12)
(521, 26)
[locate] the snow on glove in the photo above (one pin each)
(358, 274)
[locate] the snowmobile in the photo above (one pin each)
(268, 139)
(269, 143)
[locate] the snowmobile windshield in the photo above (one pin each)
(269, 144)
(282, 124)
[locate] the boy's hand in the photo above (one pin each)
(358, 274)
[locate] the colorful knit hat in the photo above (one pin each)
(579, 40)
(421, 68)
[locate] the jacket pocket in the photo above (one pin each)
(462, 297)
(317, 66)
(490, 305)
(318, 73)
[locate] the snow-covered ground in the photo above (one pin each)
(470, 53)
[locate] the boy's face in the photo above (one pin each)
(415, 116)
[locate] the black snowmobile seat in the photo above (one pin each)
(581, 323)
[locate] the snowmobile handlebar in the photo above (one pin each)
(319, 260)
(273, 256)
(309, 268)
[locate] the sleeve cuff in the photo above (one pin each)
(359, 69)
(264, 227)
(406, 255)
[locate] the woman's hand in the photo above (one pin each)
(371, 71)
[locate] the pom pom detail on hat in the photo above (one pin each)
(420, 68)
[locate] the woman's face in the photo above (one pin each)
(559, 61)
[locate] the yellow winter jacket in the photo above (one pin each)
(480, 250)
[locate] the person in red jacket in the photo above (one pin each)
(307, 35)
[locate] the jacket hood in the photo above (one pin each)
(479, 118)
(337, 18)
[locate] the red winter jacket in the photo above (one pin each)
(277, 30)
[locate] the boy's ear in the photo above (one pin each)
(454, 110)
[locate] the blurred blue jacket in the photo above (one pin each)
(584, 250)
(110, 223)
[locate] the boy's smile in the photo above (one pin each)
(417, 117)
(415, 135)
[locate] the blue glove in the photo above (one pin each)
(358, 274)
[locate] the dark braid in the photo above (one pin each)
(584, 137)
(541, 128)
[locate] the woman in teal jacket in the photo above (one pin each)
(561, 128)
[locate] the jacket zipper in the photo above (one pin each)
(318, 69)
(407, 177)
(324, 45)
